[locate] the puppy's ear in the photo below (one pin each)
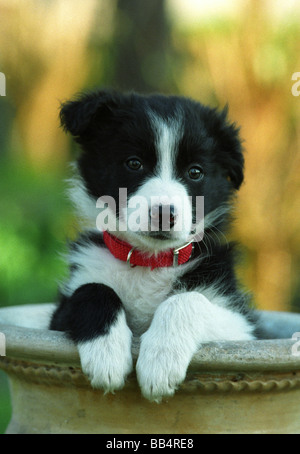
(77, 115)
(231, 155)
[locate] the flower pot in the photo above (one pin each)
(231, 387)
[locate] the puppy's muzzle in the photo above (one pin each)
(162, 217)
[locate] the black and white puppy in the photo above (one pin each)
(145, 161)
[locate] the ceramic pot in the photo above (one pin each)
(231, 387)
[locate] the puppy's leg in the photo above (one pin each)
(95, 319)
(180, 325)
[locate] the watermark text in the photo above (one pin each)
(296, 345)
(2, 344)
(156, 213)
(2, 84)
(296, 86)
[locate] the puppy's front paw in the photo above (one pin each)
(160, 369)
(107, 359)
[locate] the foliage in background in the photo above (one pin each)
(5, 405)
(246, 60)
(53, 49)
(34, 224)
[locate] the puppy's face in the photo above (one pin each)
(150, 162)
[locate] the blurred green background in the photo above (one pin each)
(242, 52)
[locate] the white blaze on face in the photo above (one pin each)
(168, 133)
(163, 188)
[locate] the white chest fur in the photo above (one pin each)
(140, 289)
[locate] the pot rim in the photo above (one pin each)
(40, 345)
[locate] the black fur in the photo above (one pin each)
(92, 311)
(110, 125)
(110, 128)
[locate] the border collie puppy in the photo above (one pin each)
(147, 264)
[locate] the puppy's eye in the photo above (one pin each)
(195, 173)
(134, 164)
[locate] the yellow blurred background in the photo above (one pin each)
(243, 53)
(240, 52)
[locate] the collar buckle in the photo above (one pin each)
(128, 257)
(176, 253)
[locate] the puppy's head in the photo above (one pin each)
(149, 162)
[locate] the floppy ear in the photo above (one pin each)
(231, 155)
(77, 115)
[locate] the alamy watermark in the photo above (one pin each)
(296, 345)
(139, 214)
(296, 86)
(2, 84)
(2, 344)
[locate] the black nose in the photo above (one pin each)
(163, 217)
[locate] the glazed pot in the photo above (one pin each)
(231, 387)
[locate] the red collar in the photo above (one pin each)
(125, 252)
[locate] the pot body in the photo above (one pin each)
(58, 400)
(231, 388)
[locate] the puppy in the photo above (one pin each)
(153, 260)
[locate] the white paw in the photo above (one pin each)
(107, 359)
(160, 368)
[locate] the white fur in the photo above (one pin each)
(140, 289)
(172, 326)
(160, 190)
(168, 133)
(84, 204)
(163, 188)
(180, 325)
(107, 359)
